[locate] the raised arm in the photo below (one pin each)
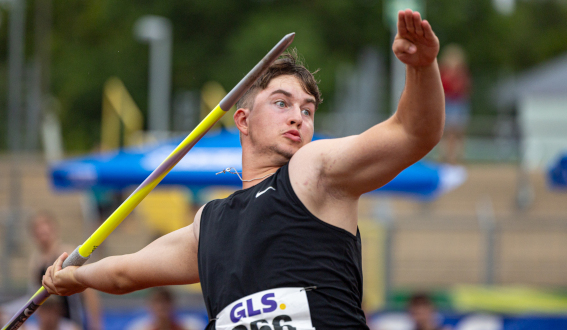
(169, 260)
(354, 165)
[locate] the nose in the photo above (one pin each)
(295, 117)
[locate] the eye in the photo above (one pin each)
(280, 104)
(306, 112)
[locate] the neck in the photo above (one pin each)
(258, 174)
(258, 167)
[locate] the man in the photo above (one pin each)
(162, 313)
(422, 311)
(284, 252)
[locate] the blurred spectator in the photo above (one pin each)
(456, 84)
(4, 318)
(162, 310)
(423, 313)
(50, 317)
(45, 232)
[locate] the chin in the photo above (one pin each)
(284, 152)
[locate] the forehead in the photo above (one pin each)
(287, 83)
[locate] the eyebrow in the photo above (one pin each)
(288, 94)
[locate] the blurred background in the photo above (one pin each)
(474, 237)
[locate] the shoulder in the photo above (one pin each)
(197, 222)
(308, 160)
(203, 211)
(323, 154)
(314, 164)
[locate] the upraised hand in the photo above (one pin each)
(415, 44)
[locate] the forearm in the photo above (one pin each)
(421, 110)
(107, 275)
(169, 260)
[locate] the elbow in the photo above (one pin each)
(430, 138)
(435, 137)
(432, 135)
(426, 142)
(425, 134)
(121, 281)
(434, 140)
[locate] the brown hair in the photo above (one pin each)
(288, 64)
(420, 299)
(162, 294)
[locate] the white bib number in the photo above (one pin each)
(276, 309)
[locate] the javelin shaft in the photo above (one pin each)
(81, 254)
(161, 171)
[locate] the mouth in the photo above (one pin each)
(293, 135)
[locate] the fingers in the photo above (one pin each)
(416, 43)
(417, 24)
(58, 265)
(427, 30)
(47, 281)
(49, 277)
(401, 23)
(408, 18)
(410, 23)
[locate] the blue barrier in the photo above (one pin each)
(401, 321)
(197, 320)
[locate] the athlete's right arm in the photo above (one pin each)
(169, 260)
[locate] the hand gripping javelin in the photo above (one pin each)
(82, 253)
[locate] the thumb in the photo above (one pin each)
(403, 46)
(59, 262)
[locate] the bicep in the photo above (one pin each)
(169, 260)
(361, 163)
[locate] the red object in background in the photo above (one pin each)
(456, 82)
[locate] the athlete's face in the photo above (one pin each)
(281, 119)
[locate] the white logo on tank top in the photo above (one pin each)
(275, 309)
(261, 192)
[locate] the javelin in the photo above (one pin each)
(82, 253)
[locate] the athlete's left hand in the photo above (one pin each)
(62, 281)
(415, 44)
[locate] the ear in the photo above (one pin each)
(241, 120)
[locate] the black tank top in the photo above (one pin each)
(264, 238)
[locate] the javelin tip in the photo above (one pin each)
(236, 93)
(289, 38)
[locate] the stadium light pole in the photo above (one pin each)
(504, 7)
(157, 32)
(16, 35)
